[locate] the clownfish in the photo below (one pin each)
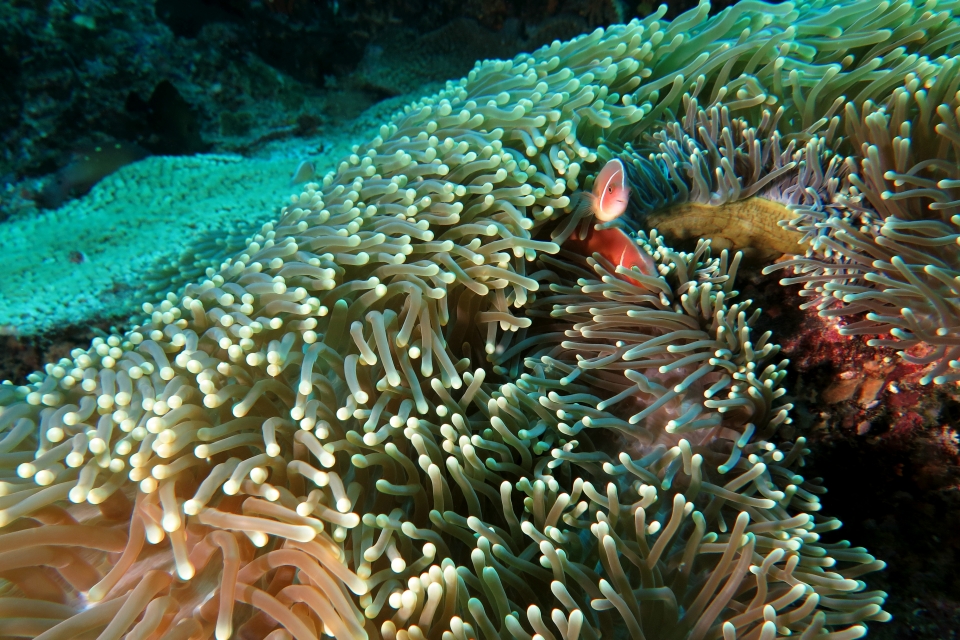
(609, 200)
(611, 194)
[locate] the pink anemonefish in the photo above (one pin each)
(611, 194)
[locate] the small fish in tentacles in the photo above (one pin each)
(609, 200)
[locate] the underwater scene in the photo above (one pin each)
(479, 319)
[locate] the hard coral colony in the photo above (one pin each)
(404, 411)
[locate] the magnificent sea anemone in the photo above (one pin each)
(405, 410)
(884, 248)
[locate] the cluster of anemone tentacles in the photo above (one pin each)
(882, 246)
(883, 252)
(403, 410)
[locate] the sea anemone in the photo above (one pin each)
(402, 411)
(886, 251)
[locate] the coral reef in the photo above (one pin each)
(403, 410)
(78, 75)
(86, 170)
(402, 60)
(887, 448)
(110, 239)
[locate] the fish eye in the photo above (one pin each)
(609, 189)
